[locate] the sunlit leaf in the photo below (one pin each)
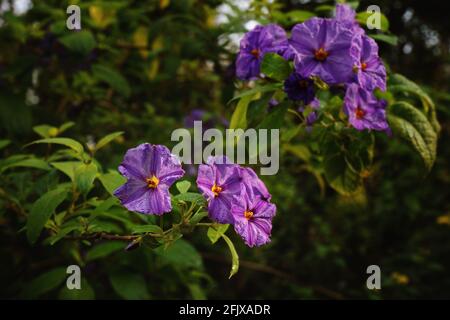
(74, 145)
(275, 67)
(111, 181)
(107, 139)
(214, 233)
(84, 176)
(183, 186)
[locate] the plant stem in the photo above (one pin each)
(102, 235)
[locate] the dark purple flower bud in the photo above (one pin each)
(311, 118)
(133, 244)
(299, 88)
(194, 115)
(208, 120)
(150, 170)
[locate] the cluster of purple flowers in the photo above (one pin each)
(337, 51)
(235, 194)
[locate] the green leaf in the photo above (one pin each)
(340, 175)
(239, 117)
(85, 293)
(111, 181)
(130, 286)
(214, 233)
(258, 89)
(183, 186)
(65, 126)
(388, 38)
(45, 131)
(182, 254)
(298, 16)
(234, 256)
(412, 125)
(275, 119)
(85, 176)
(67, 167)
(45, 283)
(104, 249)
(113, 78)
(107, 139)
(362, 17)
(103, 207)
(401, 85)
(149, 228)
(4, 143)
(41, 211)
(196, 291)
(324, 8)
(29, 163)
(189, 197)
(275, 67)
(300, 151)
(74, 145)
(197, 217)
(62, 233)
(82, 42)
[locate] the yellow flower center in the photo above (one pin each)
(320, 54)
(152, 182)
(216, 190)
(248, 214)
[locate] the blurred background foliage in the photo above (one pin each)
(141, 67)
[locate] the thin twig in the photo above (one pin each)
(102, 235)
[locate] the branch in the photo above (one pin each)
(102, 235)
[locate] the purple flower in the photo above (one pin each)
(322, 49)
(299, 88)
(346, 15)
(256, 43)
(194, 115)
(364, 110)
(208, 120)
(150, 170)
(220, 182)
(369, 69)
(311, 118)
(253, 184)
(253, 219)
(273, 103)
